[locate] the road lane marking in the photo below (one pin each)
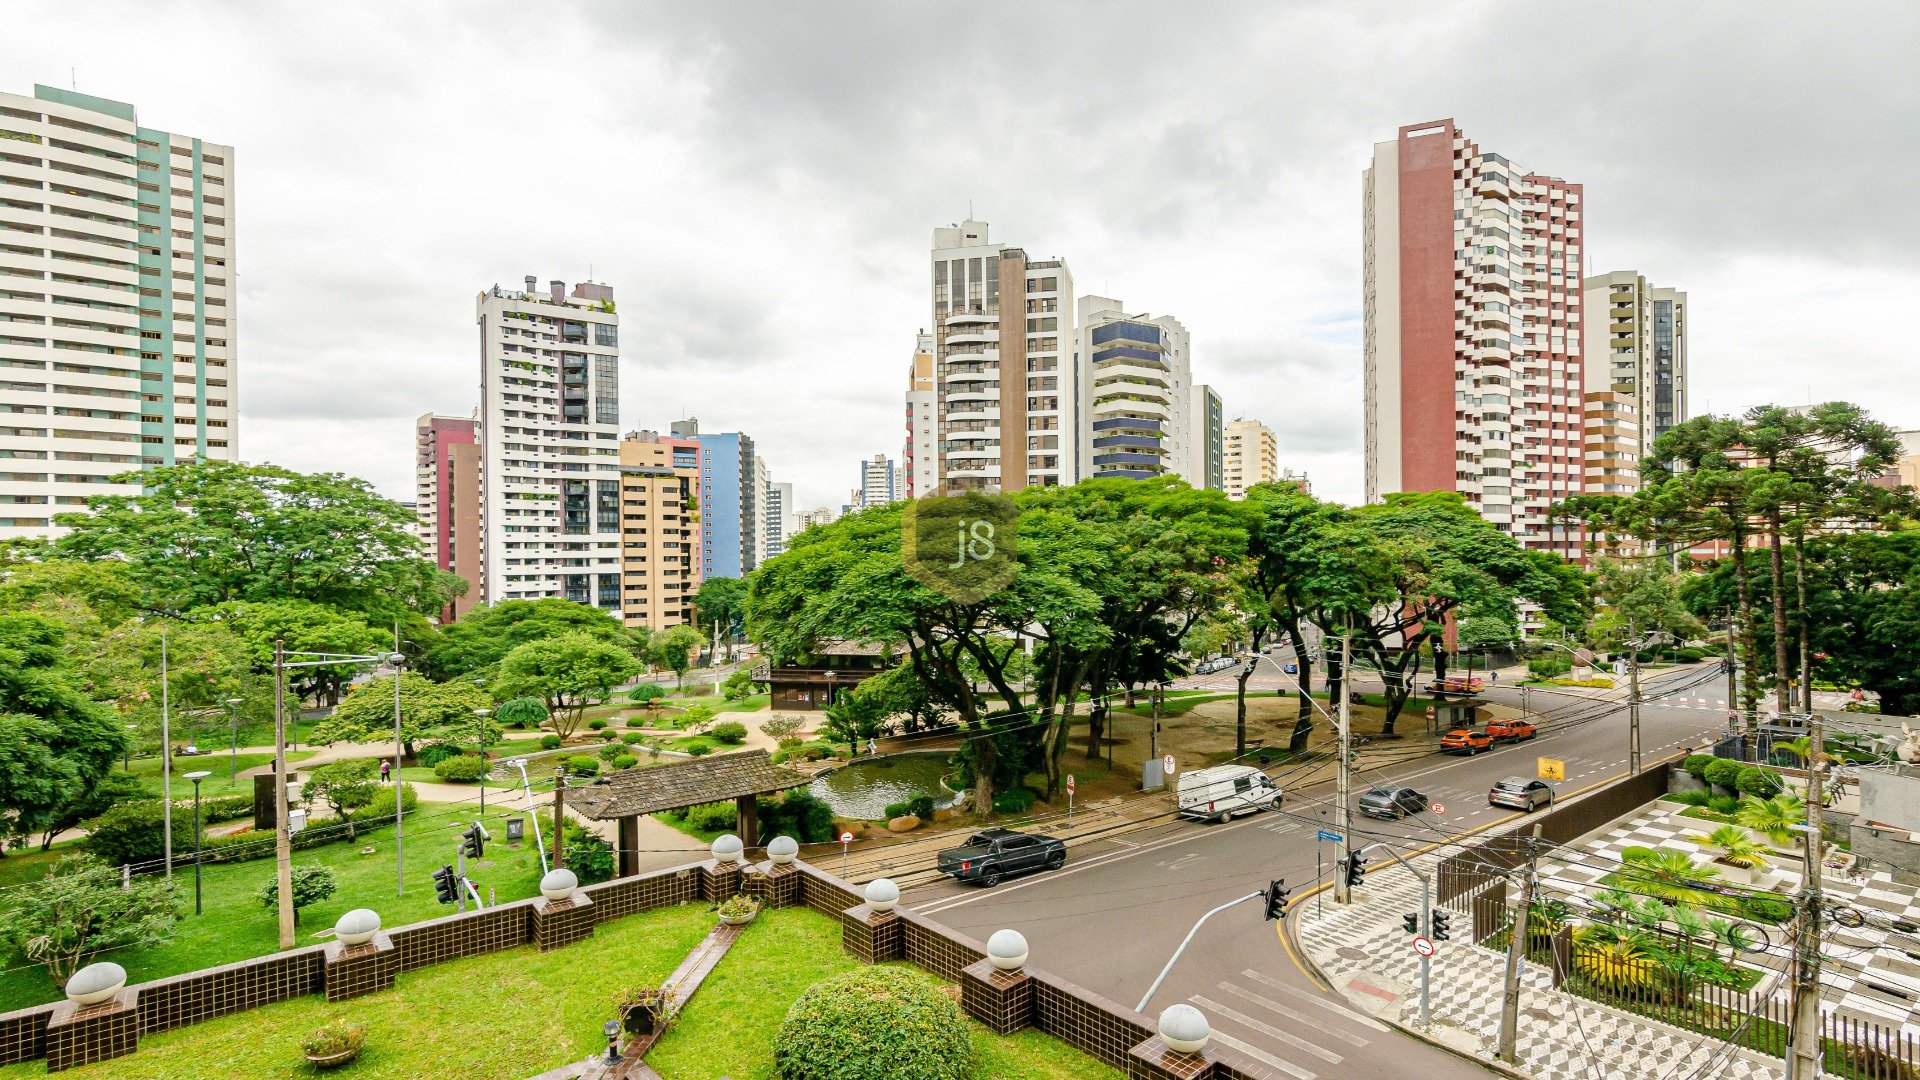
(1274, 1006)
(1214, 1008)
(1258, 1054)
(1315, 999)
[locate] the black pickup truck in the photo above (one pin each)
(993, 854)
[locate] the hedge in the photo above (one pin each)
(731, 733)
(1014, 800)
(550, 742)
(1754, 780)
(625, 761)
(462, 768)
(878, 1023)
(1723, 773)
(583, 765)
(1696, 765)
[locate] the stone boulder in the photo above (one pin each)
(904, 823)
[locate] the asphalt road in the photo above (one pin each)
(1114, 915)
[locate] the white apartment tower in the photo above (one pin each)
(118, 328)
(777, 501)
(1636, 346)
(1251, 455)
(1003, 341)
(1473, 331)
(550, 443)
(881, 482)
(920, 461)
(1136, 389)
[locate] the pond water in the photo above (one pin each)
(864, 788)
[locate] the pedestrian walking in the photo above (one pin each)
(1494, 675)
(872, 748)
(386, 771)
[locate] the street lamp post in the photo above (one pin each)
(196, 777)
(166, 756)
(233, 726)
(480, 737)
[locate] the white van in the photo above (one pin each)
(1223, 791)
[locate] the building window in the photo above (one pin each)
(606, 334)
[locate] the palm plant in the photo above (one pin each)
(1617, 900)
(1650, 912)
(1773, 818)
(1692, 926)
(1737, 847)
(1734, 935)
(1622, 961)
(1673, 876)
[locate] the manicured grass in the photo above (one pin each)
(147, 771)
(31, 864)
(237, 926)
(507, 1014)
(729, 1026)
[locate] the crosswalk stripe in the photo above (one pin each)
(1264, 1028)
(1275, 1006)
(1314, 999)
(1258, 1054)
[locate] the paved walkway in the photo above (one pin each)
(1364, 952)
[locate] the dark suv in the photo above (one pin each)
(1396, 802)
(992, 854)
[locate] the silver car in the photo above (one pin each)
(1519, 793)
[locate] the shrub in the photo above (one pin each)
(783, 729)
(221, 807)
(588, 856)
(713, 817)
(1692, 798)
(133, 832)
(1766, 909)
(632, 738)
(608, 736)
(1689, 655)
(921, 806)
(550, 742)
(739, 685)
(596, 724)
(461, 769)
(873, 1024)
(700, 749)
(1724, 804)
(731, 733)
(311, 884)
(898, 809)
(523, 712)
(611, 751)
(1723, 773)
(799, 815)
(646, 694)
(1014, 800)
(625, 761)
(583, 765)
(336, 1037)
(381, 805)
(1546, 667)
(1754, 780)
(431, 756)
(1696, 765)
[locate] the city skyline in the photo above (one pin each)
(1243, 222)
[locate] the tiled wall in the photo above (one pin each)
(249, 984)
(23, 1034)
(664, 888)
(469, 934)
(1086, 1020)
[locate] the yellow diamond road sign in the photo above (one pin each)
(1552, 768)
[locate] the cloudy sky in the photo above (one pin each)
(759, 182)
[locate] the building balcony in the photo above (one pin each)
(1127, 461)
(1125, 422)
(1142, 442)
(973, 335)
(972, 318)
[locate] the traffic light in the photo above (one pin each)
(1356, 870)
(1411, 920)
(1441, 918)
(473, 841)
(446, 887)
(1277, 894)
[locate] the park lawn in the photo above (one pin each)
(237, 926)
(147, 771)
(729, 1026)
(31, 864)
(506, 1014)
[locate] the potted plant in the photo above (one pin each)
(646, 1011)
(334, 1044)
(738, 910)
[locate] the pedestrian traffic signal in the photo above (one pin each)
(1440, 920)
(473, 841)
(1277, 894)
(446, 887)
(1356, 870)
(1411, 920)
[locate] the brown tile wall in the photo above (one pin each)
(719, 881)
(23, 1034)
(1003, 1001)
(780, 885)
(558, 923)
(469, 934)
(202, 995)
(625, 896)
(825, 893)
(81, 1036)
(1083, 1019)
(1151, 1060)
(938, 949)
(360, 969)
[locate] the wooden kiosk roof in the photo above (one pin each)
(717, 778)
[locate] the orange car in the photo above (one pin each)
(1510, 731)
(1465, 741)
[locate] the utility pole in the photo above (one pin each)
(559, 810)
(166, 757)
(1153, 733)
(399, 759)
(282, 837)
(1733, 679)
(1633, 702)
(1342, 892)
(1516, 952)
(1804, 1055)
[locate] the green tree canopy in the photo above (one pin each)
(674, 649)
(567, 672)
(478, 642)
(219, 532)
(721, 600)
(427, 709)
(304, 626)
(56, 743)
(79, 910)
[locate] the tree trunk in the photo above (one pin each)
(1800, 613)
(1743, 603)
(983, 760)
(1777, 567)
(1240, 714)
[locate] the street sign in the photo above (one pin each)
(1328, 834)
(1167, 763)
(846, 838)
(1069, 781)
(1552, 768)
(1439, 808)
(1423, 946)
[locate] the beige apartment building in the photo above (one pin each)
(1250, 456)
(659, 529)
(1614, 442)
(1636, 344)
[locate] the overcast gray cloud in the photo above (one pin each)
(758, 182)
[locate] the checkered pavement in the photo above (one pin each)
(1363, 950)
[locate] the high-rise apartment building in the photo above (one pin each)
(731, 522)
(659, 530)
(782, 523)
(1003, 341)
(1614, 442)
(823, 515)
(1251, 456)
(1206, 445)
(1473, 331)
(1136, 384)
(921, 455)
(1636, 344)
(881, 482)
(550, 443)
(447, 502)
(118, 320)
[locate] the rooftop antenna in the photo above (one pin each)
(969, 209)
(73, 76)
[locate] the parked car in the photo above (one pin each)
(1465, 741)
(1510, 731)
(1519, 793)
(1223, 791)
(1392, 802)
(993, 854)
